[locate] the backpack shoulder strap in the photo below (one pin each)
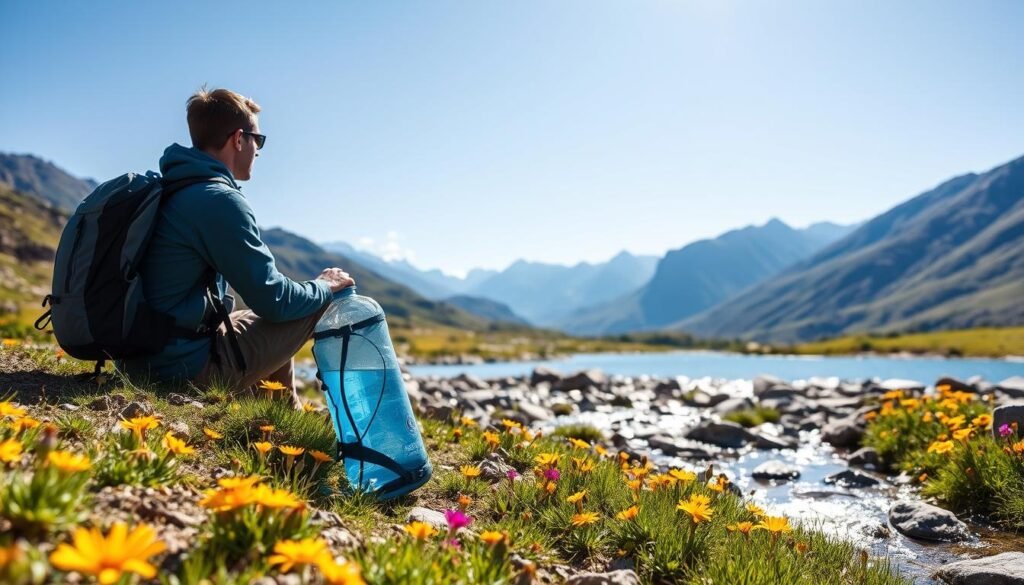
(172, 187)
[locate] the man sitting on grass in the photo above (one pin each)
(207, 231)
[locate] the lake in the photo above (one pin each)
(700, 364)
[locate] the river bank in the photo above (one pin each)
(807, 462)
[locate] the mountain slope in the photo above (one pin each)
(423, 282)
(546, 293)
(300, 258)
(702, 274)
(951, 257)
(486, 308)
(29, 231)
(32, 175)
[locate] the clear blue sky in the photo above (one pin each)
(476, 133)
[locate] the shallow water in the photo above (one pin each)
(698, 364)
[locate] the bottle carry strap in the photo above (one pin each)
(348, 329)
(356, 449)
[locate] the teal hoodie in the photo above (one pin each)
(211, 225)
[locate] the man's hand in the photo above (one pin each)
(336, 278)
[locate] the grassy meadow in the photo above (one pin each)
(234, 489)
(982, 342)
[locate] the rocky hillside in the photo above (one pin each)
(32, 175)
(29, 230)
(703, 274)
(952, 257)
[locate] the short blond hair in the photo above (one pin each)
(214, 115)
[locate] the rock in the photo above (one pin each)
(765, 382)
(179, 429)
(770, 470)
(764, 441)
(562, 409)
(69, 407)
(542, 374)
(110, 402)
(1012, 386)
(177, 399)
(1008, 414)
(864, 457)
(624, 577)
(780, 392)
(428, 516)
(471, 381)
(679, 447)
(849, 478)
(733, 404)
(670, 387)
(844, 432)
(909, 386)
(494, 468)
(531, 413)
(1003, 569)
(135, 409)
(333, 530)
(581, 380)
(927, 522)
(723, 434)
(954, 384)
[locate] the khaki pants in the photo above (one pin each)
(268, 348)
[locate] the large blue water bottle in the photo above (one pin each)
(378, 437)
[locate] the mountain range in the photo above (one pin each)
(702, 274)
(950, 257)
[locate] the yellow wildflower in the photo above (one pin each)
(347, 573)
(963, 434)
(467, 422)
(176, 445)
(584, 518)
(577, 497)
(25, 422)
(70, 462)
(741, 527)
(756, 510)
(263, 447)
(212, 434)
(10, 410)
(308, 407)
(682, 474)
(940, 447)
(982, 421)
(956, 422)
(492, 439)
(583, 464)
(140, 424)
(510, 424)
(629, 513)
(550, 487)
(291, 450)
(10, 450)
(470, 471)
(774, 524)
(547, 459)
(420, 530)
(292, 553)
(107, 558)
(493, 537)
(272, 385)
(267, 428)
(320, 456)
(269, 497)
(697, 507)
(578, 444)
(464, 501)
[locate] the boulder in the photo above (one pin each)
(864, 457)
(679, 447)
(770, 470)
(844, 432)
(1003, 569)
(764, 441)
(732, 404)
(542, 374)
(533, 412)
(1012, 386)
(954, 384)
(428, 516)
(135, 409)
(624, 577)
(582, 380)
(670, 386)
(494, 468)
(849, 478)
(722, 434)
(927, 522)
(1008, 414)
(764, 383)
(471, 381)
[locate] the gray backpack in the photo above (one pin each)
(97, 306)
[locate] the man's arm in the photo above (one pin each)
(232, 244)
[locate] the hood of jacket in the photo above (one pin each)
(180, 162)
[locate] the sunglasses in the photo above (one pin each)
(260, 139)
